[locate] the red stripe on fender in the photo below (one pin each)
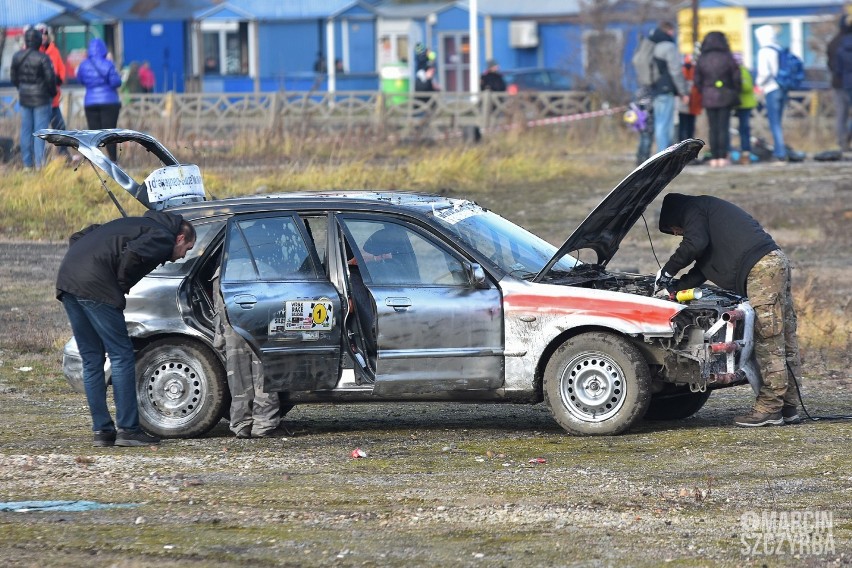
(633, 311)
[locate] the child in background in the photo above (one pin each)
(748, 101)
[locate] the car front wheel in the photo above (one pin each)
(597, 384)
(180, 387)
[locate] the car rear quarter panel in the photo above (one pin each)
(541, 316)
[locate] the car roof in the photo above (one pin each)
(366, 200)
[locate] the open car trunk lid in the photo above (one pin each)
(168, 186)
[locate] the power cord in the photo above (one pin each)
(805, 410)
(651, 241)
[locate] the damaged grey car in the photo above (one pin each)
(449, 302)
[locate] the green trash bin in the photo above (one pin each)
(395, 83)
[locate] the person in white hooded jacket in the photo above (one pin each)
(775, 97)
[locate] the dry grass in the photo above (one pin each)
(825, 332)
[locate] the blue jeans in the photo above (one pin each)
(744, 124)
(775, 102)
(32, 148)
(100, 328)
(58, 122)
(664, 109)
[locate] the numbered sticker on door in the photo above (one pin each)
(308, 315)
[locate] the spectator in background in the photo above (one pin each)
(146, 77)
(717, 76)
(748, 101)
(33, 76)
(692, 108)
(130, 79)
(102, 103)
(775, 97)
(492, 80)
(49, 48)
(842, 97)
(669, 85)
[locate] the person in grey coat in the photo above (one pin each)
(670, 83)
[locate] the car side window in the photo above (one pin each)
(269, 248)
(391, 254)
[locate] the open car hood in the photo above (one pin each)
(605, 227)
(173, 184)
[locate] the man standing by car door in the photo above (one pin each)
(729, 247)
(102, 264)
(669, 84)
(254, 412)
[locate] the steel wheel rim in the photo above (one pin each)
(172, 392)
(592, 387)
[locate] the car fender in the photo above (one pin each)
(536, 315)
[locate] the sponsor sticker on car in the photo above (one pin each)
(303, 315)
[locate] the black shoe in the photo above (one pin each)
(103, 438)
(244, 433)
(129, 438)
(790, 414)
(279, 431)
(759, 419)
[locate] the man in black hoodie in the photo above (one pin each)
(729, 247)
(102, 263)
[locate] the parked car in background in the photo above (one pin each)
(563, 93)
(371, 296)
(533, 79)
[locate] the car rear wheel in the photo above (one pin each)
(676, 405)
(181, 388)
(597, 384)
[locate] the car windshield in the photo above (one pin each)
(512, 248)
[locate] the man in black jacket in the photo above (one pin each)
(32, 73)
(729, 247)
(102, 263)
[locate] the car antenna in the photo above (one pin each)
(107, 189)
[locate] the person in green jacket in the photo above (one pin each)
(748, 101)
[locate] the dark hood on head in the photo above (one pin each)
(606, 226)
(659, 35)
(32, 38)
(714, 41)
(673, 212)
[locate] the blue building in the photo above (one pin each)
(341, 45)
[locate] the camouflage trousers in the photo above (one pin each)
(250, 405)
(776, 346)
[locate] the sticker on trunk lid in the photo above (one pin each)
(174, 181)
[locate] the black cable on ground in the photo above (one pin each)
(805, 410)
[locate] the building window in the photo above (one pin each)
(393, 48)
(225, 48)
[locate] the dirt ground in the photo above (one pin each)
(442, 484)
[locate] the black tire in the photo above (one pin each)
(597, 384)
(676, 404)
(181, 388)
